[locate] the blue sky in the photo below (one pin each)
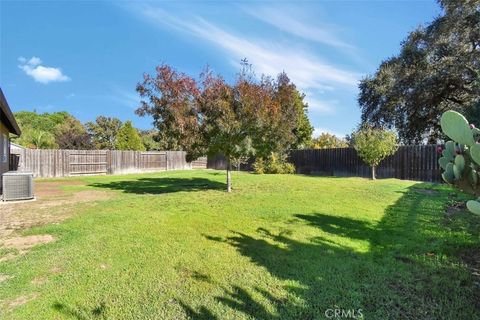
(86, 57)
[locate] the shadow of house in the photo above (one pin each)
(411, 271)
(162, 185)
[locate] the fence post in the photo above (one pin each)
(66, 162)
(109, 161)
(167, 162)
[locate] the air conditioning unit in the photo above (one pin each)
(17, 186)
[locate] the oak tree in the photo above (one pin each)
(104, 132)
(437, 69)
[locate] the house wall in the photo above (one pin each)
(4, 151)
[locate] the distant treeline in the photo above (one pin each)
(61, 130)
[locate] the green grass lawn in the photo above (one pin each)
(174, 245)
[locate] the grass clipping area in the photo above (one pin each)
(175, 245)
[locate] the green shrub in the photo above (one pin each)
(274, 164)
(259, 166)
(288, 168)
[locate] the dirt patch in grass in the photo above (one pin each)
(4, 277)
(53, 205)
(46, 189)
(38, 281)
(90, 195)
(24, 243)
(454, 205)
(56, 270)
(21, 300)
(104, 266)
(21, 245)
(454, 208)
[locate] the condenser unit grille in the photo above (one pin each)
(17, 186)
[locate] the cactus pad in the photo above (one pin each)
(475, 152)
(460, 162)
(473, 206)
(456, 127)
(448, 175)
(443, 162)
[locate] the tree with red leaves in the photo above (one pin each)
(210, 116)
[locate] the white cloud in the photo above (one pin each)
(318, 105)
(126, 98)
(268, 57)
(319, 130)
(307, 30)
(34, 61)
(39, 73)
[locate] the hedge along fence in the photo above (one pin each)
(63, 163)
(408, 163)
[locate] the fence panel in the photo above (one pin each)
(153, 161)
(200, 163)
(61, 163)
(408, 163)
(82, 162)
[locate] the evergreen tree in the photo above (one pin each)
(128, 138)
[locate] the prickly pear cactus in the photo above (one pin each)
(474, 206)
(461, 157)
(456, 127)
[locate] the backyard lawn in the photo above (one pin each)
(175, 245)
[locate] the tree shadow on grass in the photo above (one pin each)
(411, 270)
(341, 226)
(202, 314)
(162, 185)
(81, 313)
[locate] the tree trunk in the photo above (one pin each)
(373, 173)
(229, 176)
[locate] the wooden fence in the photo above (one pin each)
(219, 162)
(409, 163)
(63, 163)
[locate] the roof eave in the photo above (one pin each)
(7, 117)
